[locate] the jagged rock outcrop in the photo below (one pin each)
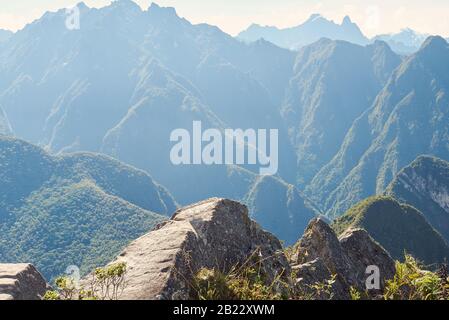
(320, 254)
(21, 282)
(215, 233)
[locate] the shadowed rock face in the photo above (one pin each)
(21, 282)
(320, 254)
(215, 233)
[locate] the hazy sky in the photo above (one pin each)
(373, 16)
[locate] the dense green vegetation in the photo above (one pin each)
(79, 209)
(424, 184)
(399, 228)
(413, 282)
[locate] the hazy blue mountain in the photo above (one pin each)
(406, 42)
(334, 83)
(408, 118)
(279, 208)
(124, 81)
(203, 45)
(66, 80)
(424, 184)
(77, 209)
(128, 77)
(5, 127)
(398, 227)
(5, 35)
(164, 103)
(315, 28)
(78, 85)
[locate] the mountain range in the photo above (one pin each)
(404, 42)
(312, 30)
(124, 95)
(86, 117)
(78, 209)
(409, 117)
(327, 93)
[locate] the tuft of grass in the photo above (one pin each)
(246, 284)
(411, 282)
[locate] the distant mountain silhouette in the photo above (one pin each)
(315, 28)
(407, 41)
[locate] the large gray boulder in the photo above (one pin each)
(21, 282)
(215, 233)
(320, 254)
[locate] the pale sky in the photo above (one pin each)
(373, 16)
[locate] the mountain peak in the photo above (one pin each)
(346, 20)
(314, 17)
(158, 10)
(125, 5)
(81, 5)
(407, 30)
(434, 42)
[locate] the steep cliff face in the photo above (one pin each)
(21, 282)
(327, 93)
(408, 118)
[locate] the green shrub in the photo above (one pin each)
(105, 284)
(411, 282)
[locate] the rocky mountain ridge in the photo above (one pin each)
(218, 234)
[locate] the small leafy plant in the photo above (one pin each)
(411, 282)
(106, 283)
